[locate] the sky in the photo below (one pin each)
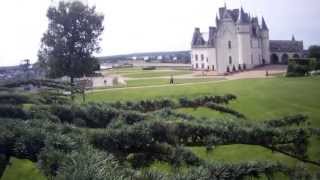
(151, 25)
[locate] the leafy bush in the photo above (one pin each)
(224, 109)
(89, 163)
(149, 68)
(12, 111)
(4, 161)
(13, 98)
(300, 67)
(287, 121)
(201, 101)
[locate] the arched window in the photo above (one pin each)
(229, 45)
(230, 60)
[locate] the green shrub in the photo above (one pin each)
(149, 68)
(14, 98)
(13, 111)
(300, 67)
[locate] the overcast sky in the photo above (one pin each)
(151, 25)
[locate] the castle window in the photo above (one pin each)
(196, 57)
(251, 58)
(212, 67)
(197, 66)
(230, 60)
(202, 57)
(207, 59)
(202, 66)
(229, 45)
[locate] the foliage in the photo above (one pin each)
(72, 37)
(89, 163)
(12, 111)
(201, 101)
(4, 160)
(149, 68)
(14, 98)
(287, 121)
(314, 52)
(224, 109)
(135, 134)
(145, 105)
(300, 67)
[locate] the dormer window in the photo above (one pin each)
(229, 45)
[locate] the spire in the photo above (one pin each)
(197, 38)
(217, 20)
(264, 25)
(241, 18)
(293, 38)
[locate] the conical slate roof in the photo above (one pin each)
(264, 25)
(242, 19)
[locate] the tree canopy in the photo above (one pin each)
(314, 52)
(72, 37)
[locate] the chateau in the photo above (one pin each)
(239, 42)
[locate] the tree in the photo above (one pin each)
(314, 52)
(72, 37)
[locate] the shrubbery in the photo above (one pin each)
(301, 67)
(132, 135)
(149, 68)
(12, 111)
(14, 98)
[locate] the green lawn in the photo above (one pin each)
(22, 170)
(162, 81)
(139, 73)
(258, 99)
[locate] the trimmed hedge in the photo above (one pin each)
(12, 111)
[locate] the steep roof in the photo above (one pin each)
(197, 39)
(286, 46)
(264, 25)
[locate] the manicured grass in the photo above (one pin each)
(139, 73)
(157, 73)
(22, 169)
(258, 99)
(161, 81)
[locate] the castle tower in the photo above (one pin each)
(243, 36)
(265, 42)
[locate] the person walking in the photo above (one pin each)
(171, 79)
